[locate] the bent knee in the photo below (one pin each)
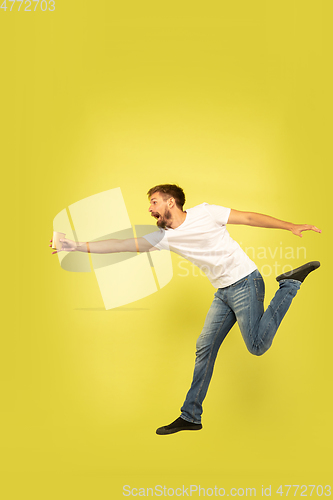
(257, 350)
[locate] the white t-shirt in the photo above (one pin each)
(204, 240)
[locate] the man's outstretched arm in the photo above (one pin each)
(261, 220)
(106, 246)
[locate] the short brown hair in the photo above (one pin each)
(169, 190)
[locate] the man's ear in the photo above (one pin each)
(171, 202)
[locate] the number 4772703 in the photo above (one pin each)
(304, 490)
(30, 6)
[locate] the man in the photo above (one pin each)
(199, 234)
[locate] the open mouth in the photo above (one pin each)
(157, 216)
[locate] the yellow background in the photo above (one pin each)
(232, 100)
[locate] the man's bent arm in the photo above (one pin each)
(261, 220)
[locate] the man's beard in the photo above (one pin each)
(163, 220)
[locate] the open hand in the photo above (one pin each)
(67, 246)
(297, 229)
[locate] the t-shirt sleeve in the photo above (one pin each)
(219, 214)
(157, 239)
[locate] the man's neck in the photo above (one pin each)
(177, 220)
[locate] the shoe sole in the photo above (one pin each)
(313, 264)
(164, 432)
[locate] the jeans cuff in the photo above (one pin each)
(189, 420)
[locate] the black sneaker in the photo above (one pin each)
(300, 273)
(178, 425)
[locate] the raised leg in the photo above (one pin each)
(258, 327)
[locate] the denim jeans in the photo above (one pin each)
(243, 302)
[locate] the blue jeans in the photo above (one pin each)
(243, 302)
